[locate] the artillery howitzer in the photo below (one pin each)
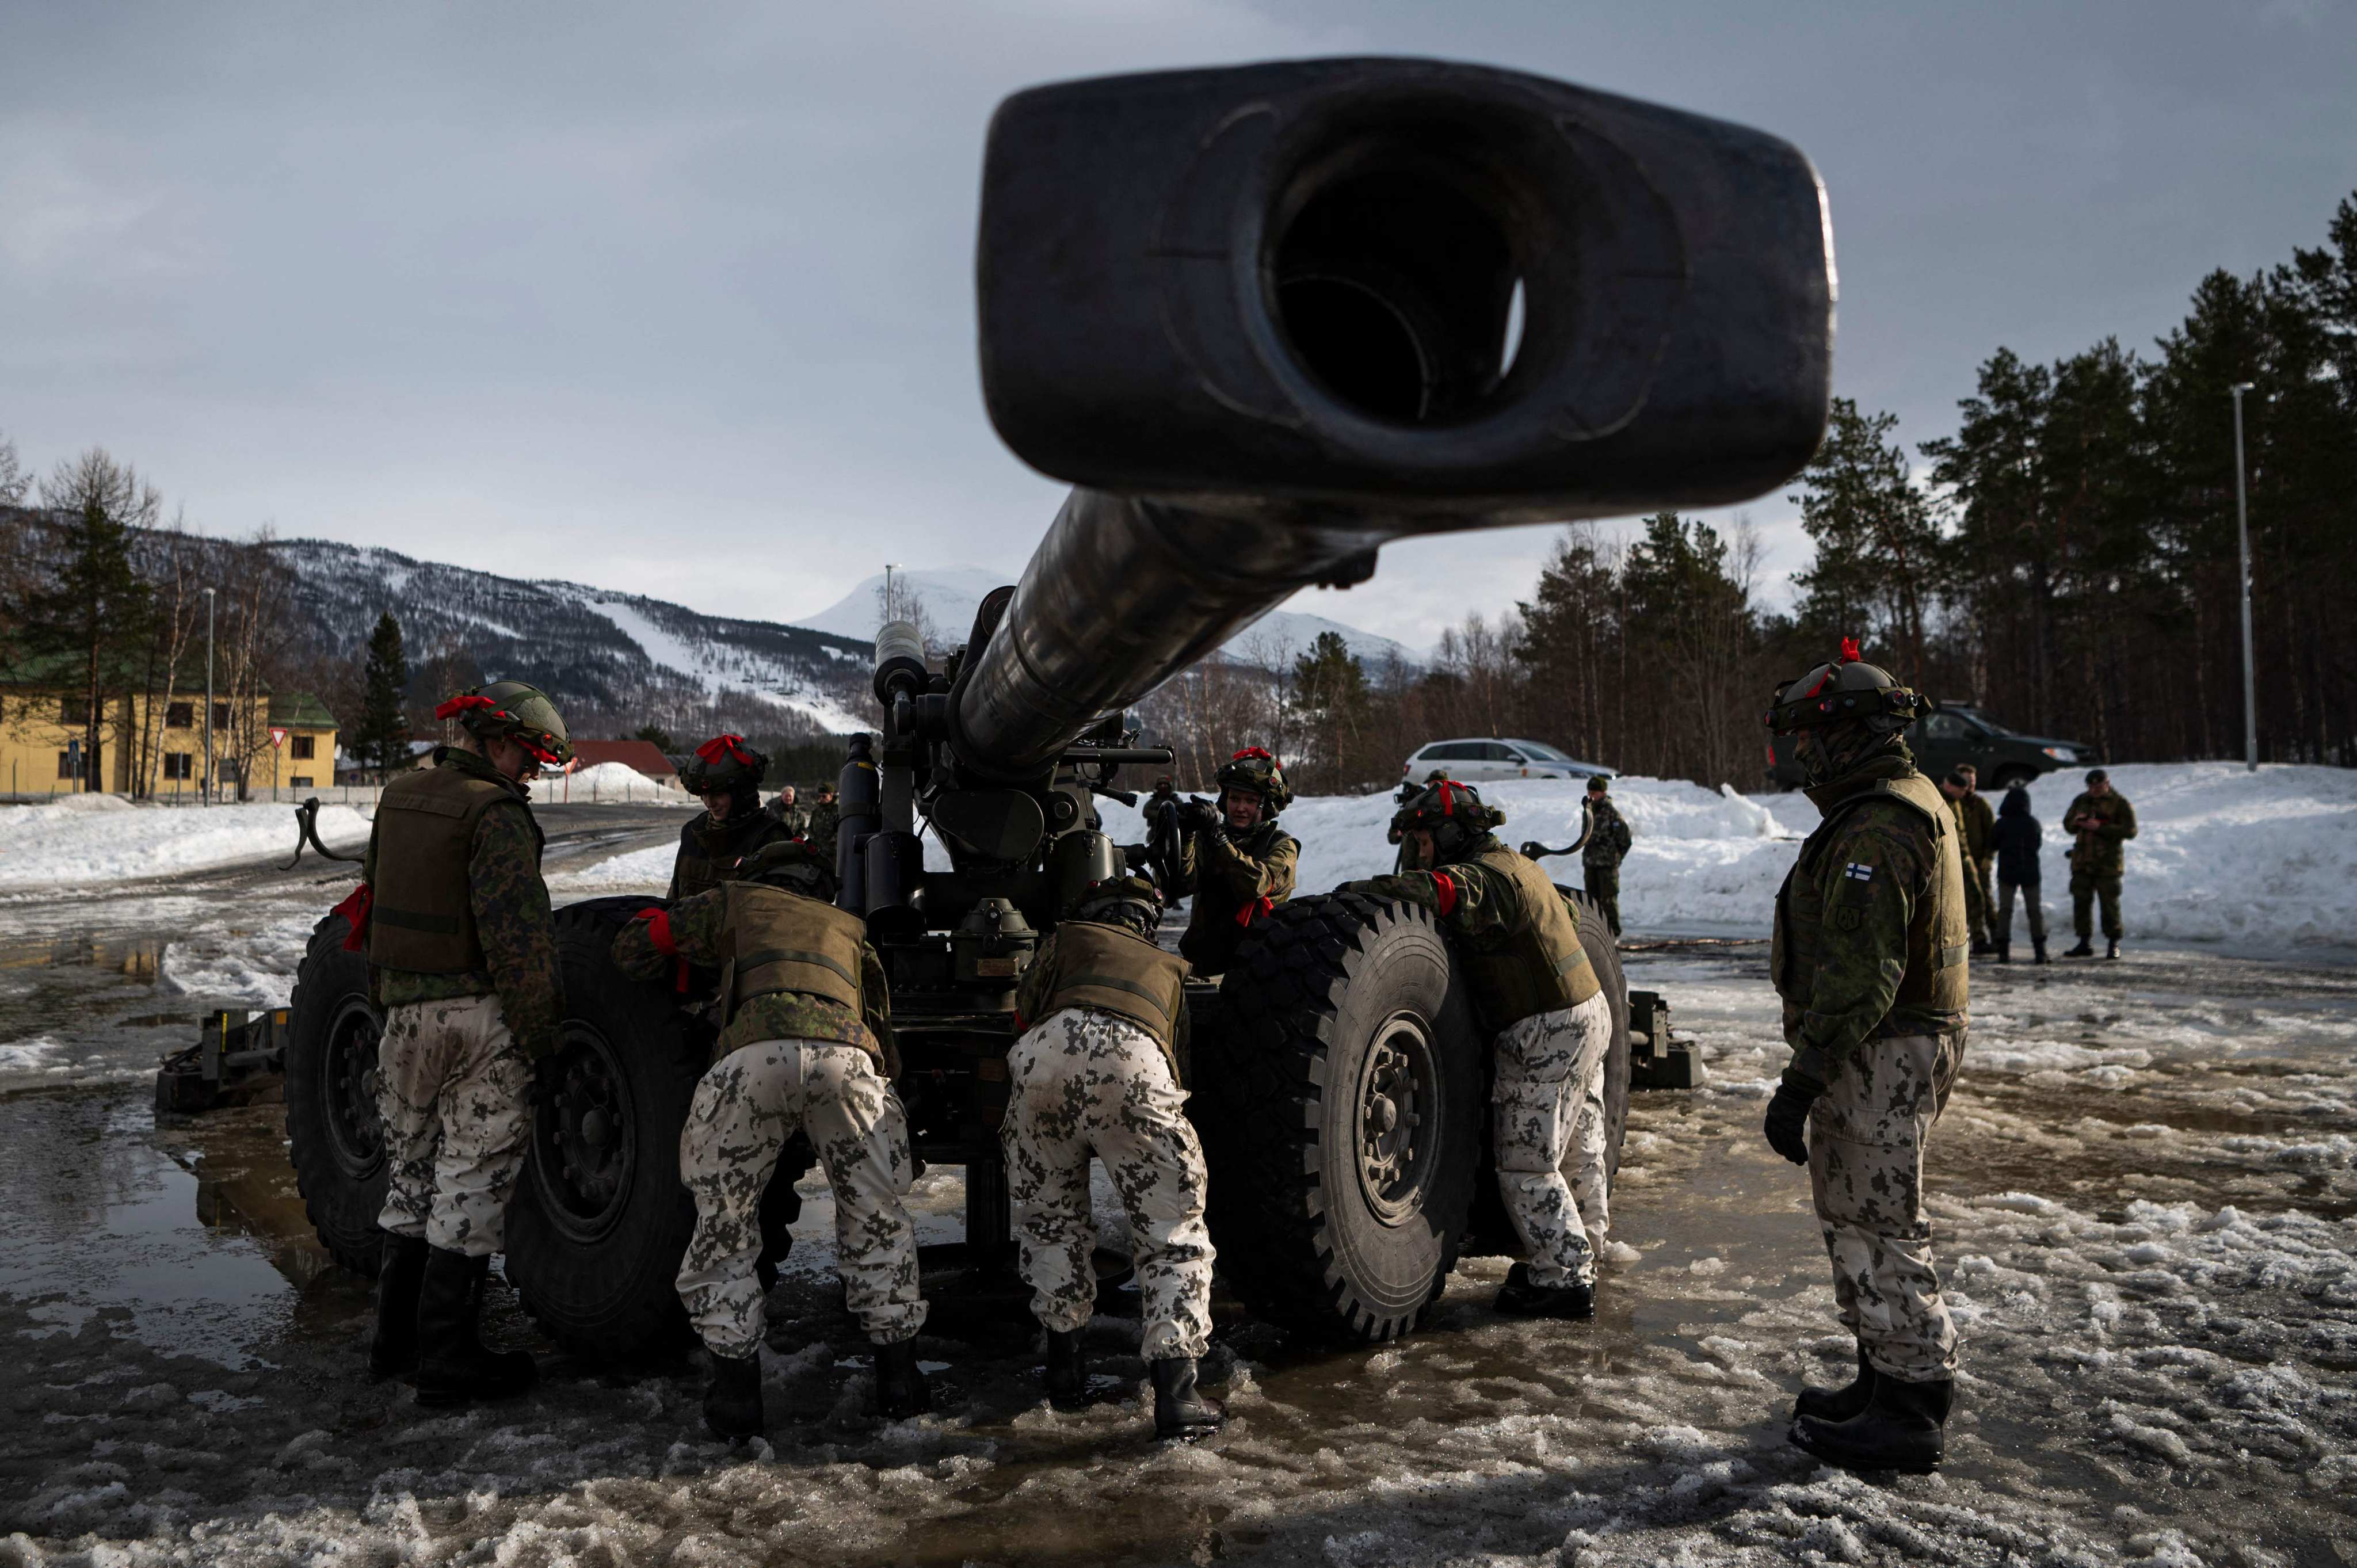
(1266, 321)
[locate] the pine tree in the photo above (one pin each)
(381, 739)
(1879, 562)
(89, 612)
(1329, 701)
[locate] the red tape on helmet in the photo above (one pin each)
(462, 705)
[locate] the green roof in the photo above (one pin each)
(64, 672)
(299, 709)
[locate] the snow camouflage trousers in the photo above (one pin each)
(1083, 1081)
(749, 1106)
(1549, 1095)
(1866, 1174)
(451, 1091)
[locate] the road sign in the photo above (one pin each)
(277, 739)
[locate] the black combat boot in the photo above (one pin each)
(394, 1352)
(2005, 950)
(1520, 1298)
(1903, 1427)
(732, 1400)
(1839, 1404)
(2039, 944)
(1983, 948)
(453, 1365)
(2086, 948)
(1068, 1370)
(2112, 948)
(1178, 1410)
(900, 1390)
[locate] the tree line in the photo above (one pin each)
(2069, 559)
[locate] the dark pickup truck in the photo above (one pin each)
(1954, 732)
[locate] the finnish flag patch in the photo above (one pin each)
(1859, 873)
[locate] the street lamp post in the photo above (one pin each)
(2243, 528)
(206, 794)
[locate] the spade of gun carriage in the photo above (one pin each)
(307, 831)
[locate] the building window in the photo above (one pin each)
(66, 769)
(300, 748)
(180, 716)
(180, 764)
(221, 715)
(300, 781)
(74, 710)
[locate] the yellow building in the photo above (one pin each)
(156, 747)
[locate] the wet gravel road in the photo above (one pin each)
(2143, 1197)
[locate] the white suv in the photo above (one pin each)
(1473, 761)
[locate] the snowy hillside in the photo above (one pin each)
(2260, 863)
(606, 656)
(951, 594)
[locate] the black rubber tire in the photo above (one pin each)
(334, 1137)
(599, 1274)
(1604, 955)
(1309, 997)
(2007, 778)
(781, 1207)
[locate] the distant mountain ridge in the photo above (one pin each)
(610, 658)
(951, 594)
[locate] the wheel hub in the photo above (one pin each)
(583, 1139)
(355, 1131)
(1397, 1083)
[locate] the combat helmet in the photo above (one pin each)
(520, 711)
(1452, 813)
(793, 865)
(1131, 901)
(724, 764)
(1847, 688)
(1255, 769)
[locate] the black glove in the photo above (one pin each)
(1788, 1115)
(1136, 856)
(1199, 817)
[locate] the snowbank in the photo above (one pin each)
(608, 783)
(83, 838)
(2222, 854)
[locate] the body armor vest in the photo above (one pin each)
(1939, 936)
(1113, 969)
(1541, 968)
(784, 941)
(422, 916)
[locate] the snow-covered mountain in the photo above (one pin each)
(609, 658)
(950, 594)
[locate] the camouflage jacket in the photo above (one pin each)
(709, 851)
(1979, 825)
(511, 919)
(1871, 939)
(698, 931)
(795, 819)
(2098, 830)
(819, 829)
(1608, 837)
(1235, 878)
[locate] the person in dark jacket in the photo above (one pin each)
(2015, 838)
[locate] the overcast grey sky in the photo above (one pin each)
(679, 298)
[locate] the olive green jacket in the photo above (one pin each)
(1235, 878)
(512, 920)
(2098, 829)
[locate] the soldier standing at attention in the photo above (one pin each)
(2101, 821)
(1104, 1012)
(1978, 824)
(1607, 847)
(1237, 862)
(727, 774)
(1871, 961)
(1538, 994)
(2017, 838)
(462, 954)
(805, 1024)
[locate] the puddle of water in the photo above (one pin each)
(101, 1214)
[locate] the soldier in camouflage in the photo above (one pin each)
(820, 831)
(790, 814)
(2100, 821)
(1607, 847)
(1536, 991)
(1871, 957)
(727, 773)
(1104, 1012)
(1978, 825)
(805, 1027)
(1236, 861)
(462, 953)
